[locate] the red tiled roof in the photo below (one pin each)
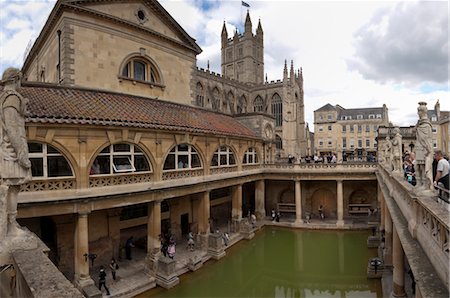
(50, 104)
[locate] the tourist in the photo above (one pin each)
(102, 280)
(273, 214)
(442, 170)
(128, 245)
(321, 214)
(333, 158)
(253, 220)
(164, 245)
(277, 216)
(191, 242)
(113, 266)
(226, 238)
(171, 250)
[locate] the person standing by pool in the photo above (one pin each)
(128, 245)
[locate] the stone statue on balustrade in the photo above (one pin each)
(15, 167)
(397, 151)
(388, 153)
(424, 149)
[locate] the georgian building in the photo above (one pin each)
(348, 133)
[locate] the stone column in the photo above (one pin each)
(260, 211)
(398, 275)
(204, 213)
(340, 204)
(387, 237)
(82, 278)
(237, 202)
(298, 202)
(381, 207)
(153, 234)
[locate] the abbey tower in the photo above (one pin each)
(242, 91)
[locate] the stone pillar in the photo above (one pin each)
(298, 202)
(387, 238)
(237, 202)
(82, 247)
(398, 275)
(340, 204)
(153, 234)
(381, 207)
(260, 211)
(82, 278)
(204, 213)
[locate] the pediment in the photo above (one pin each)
(148, 15)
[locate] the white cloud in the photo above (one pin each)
(318, 35)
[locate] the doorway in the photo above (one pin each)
(184, 223)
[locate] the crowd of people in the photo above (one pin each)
(330, 158)
(441, 165)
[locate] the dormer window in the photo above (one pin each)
(359, 117)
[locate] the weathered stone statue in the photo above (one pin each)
(424, 149)
(397, 151)
(15, 167)
(388, 153)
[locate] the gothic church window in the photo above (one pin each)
(182, 157)
(199, 99)
(277, 109)
(278, 142)
(47, 162)
(223, 156)
(258, 104)
(242, 105)
(216, 99)
(140, 69)
(120, 158)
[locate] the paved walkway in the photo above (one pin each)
(133, 279)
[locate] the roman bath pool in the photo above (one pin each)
(285, 263)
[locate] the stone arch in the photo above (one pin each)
(359, 196)
(242, 105)
(287, 196)
(327, 199)
(258, 104)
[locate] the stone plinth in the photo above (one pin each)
(215, 246)
(195, 262)
(246, 230)
(373, 241)
(375, 268)
(166, 275)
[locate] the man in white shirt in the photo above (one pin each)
(442, 170)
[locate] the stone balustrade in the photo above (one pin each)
(423, 225)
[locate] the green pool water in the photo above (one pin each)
(285, 263)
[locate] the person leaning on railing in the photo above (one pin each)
(442, 170)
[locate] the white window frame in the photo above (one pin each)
(189, 153)
(130, 155)
(224, 151)
(44, 155)
(250, 154)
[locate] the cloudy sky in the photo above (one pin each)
(356, 54)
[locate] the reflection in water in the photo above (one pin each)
(285, 263)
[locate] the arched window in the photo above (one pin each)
(258, 104)
(278, 142)
(182, 157)
(47, 162)
(277, 109)
(216, 99)
(200, 100)
(141, 69)
(120, 158)
(242, 105)
(231, 101)
(223, 156)
(250, 157)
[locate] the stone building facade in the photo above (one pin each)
(127, 137)
(348, 133)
